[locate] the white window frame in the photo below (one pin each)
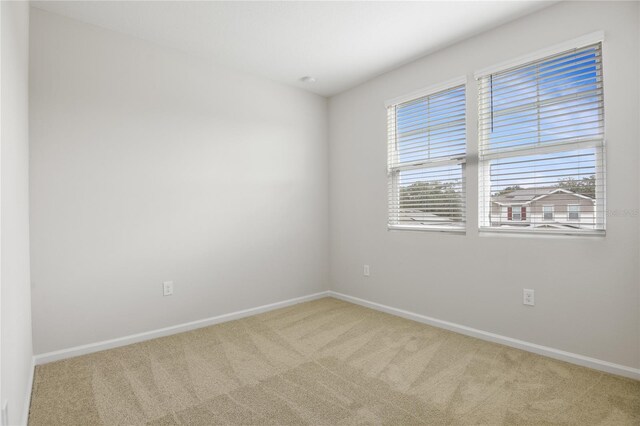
(515, 209)
(484, 175)
(393, 170)
(544, 213)
(569, 212)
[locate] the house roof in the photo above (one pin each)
(424, 218)
(528, 195)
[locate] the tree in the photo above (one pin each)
(585, 186)
(439, 198)
(508, 189)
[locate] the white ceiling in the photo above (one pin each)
(341, 44)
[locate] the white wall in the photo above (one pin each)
(638, 74)
(638, 120)
(150, 165)
(587, 289)
(16, 364)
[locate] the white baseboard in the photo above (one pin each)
(596, 364)
(27, 398)
(148, 335)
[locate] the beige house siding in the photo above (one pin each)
(535, 217)
(560, 202)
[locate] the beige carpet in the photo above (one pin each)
(326, 362)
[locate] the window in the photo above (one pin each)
(426, 163)
(573, 212)
(516, 213)
(541, 130)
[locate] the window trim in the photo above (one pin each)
(569, 212)
(552, 212)
(516, 210)
(600, 145)
(392, 172)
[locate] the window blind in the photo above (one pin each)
(541, 145)
(426, 161)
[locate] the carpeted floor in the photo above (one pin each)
(326, 362)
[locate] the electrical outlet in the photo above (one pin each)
(167, 288)
(366, 270)
(528, 297)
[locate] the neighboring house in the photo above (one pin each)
(543, 208)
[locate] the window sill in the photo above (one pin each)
(442, 229)
(540, 233)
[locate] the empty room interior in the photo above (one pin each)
(320, 213)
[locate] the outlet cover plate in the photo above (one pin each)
(528, 297)
(167, 288)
